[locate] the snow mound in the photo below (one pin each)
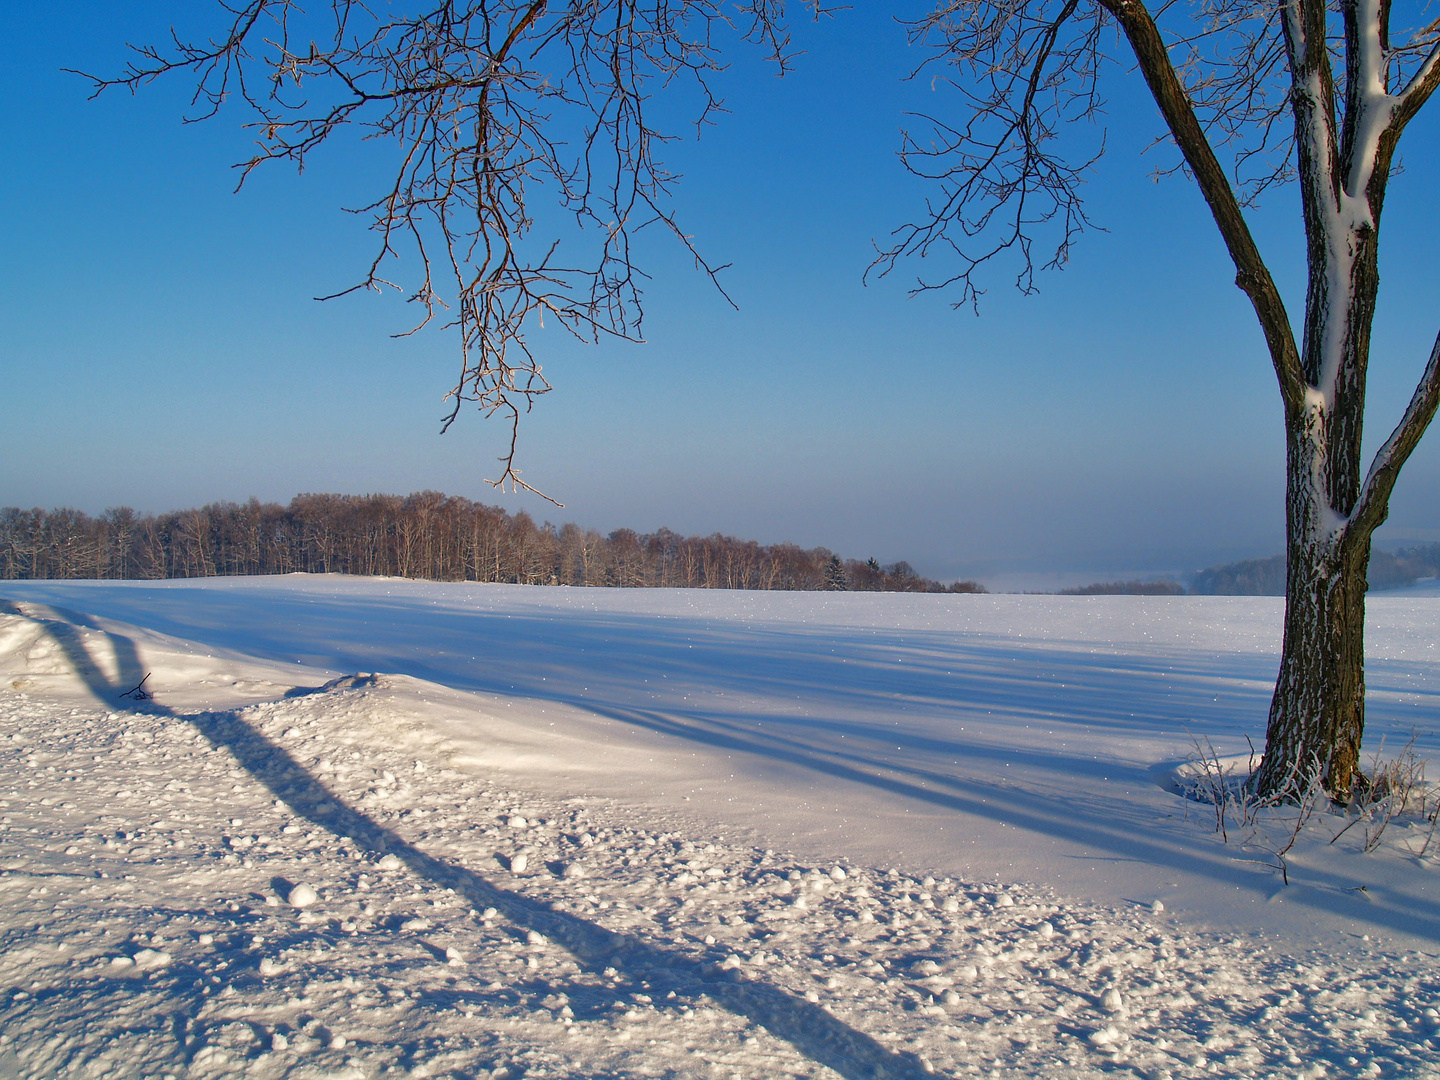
(301, 896)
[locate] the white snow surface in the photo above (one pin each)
(583, 832)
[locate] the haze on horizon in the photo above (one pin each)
(161, 348)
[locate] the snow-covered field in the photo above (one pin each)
(621, 833)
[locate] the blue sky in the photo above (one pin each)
(160, 347)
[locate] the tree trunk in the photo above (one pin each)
(1317, 716)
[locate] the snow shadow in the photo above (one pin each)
(64, 628)
(811, 1030)
(934, 683)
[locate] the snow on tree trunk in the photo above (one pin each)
(1317, 715)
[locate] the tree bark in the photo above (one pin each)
(1317, 714)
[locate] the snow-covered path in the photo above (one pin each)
(494, 896)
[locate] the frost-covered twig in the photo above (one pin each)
(1211, 783)
(1391, 789)
(1305, 803)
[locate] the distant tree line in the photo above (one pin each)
(1266, 577)
(1251, 577)
(424, 535)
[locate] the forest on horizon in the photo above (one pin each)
(426, 535)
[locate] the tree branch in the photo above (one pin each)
(1374, 504)
(483, 105)
(1034, 67)
(1421, 86)
(1252, 275)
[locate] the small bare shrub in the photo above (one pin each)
(1395, 787)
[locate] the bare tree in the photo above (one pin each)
(483, 104)
(1316, 91)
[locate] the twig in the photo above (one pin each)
(138, 691)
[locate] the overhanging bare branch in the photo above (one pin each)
(1025, 74)
(485, 106)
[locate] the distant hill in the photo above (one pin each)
(1266, 577)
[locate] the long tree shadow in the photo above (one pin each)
(815, 1033)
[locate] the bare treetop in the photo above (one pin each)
(1011, 155)
(483, 105)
